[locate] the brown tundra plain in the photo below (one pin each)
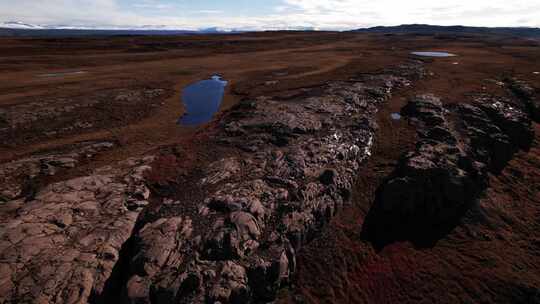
(339, 168)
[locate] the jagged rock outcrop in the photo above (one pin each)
(438, 181)
(296, 165)
(157, 243)
(62, 246)
(529, 96)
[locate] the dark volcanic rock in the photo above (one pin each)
(486, 141)
(529, 96)
(513, 121)
(297, 163)
(435, 184)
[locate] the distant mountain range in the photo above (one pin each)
(457, 29)
(21, 29)
(17, 28)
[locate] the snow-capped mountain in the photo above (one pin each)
(27, 26)
(17, 28)
(19, 25)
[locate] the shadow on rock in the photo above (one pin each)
(437, 183)
(384, 226)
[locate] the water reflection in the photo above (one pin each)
(433, 54)
(202, 100)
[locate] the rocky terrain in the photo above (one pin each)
(293, 170)
(22, 122)
(303, 189)
(21, 177)
(62, 245)
(434, 185)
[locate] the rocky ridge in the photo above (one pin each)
(296, 165)
(93, 239)
(528, 95)
(436, 183)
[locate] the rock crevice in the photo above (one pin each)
(435, 184)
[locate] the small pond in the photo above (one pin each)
(202, 100)
(60, 74)
(395, 116)
(433, 54)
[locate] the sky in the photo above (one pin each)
(270, 14)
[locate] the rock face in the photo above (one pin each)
(529, 96)
(295, 167)
(156, 247)
(62, 246)
(438, 181)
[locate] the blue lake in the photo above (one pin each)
(202, 100)
(433, 54)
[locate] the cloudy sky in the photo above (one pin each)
(271, 14)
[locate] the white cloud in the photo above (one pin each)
(76, 12)
(324, 14)
(152, 5)
(209, 12)
(392, 12)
